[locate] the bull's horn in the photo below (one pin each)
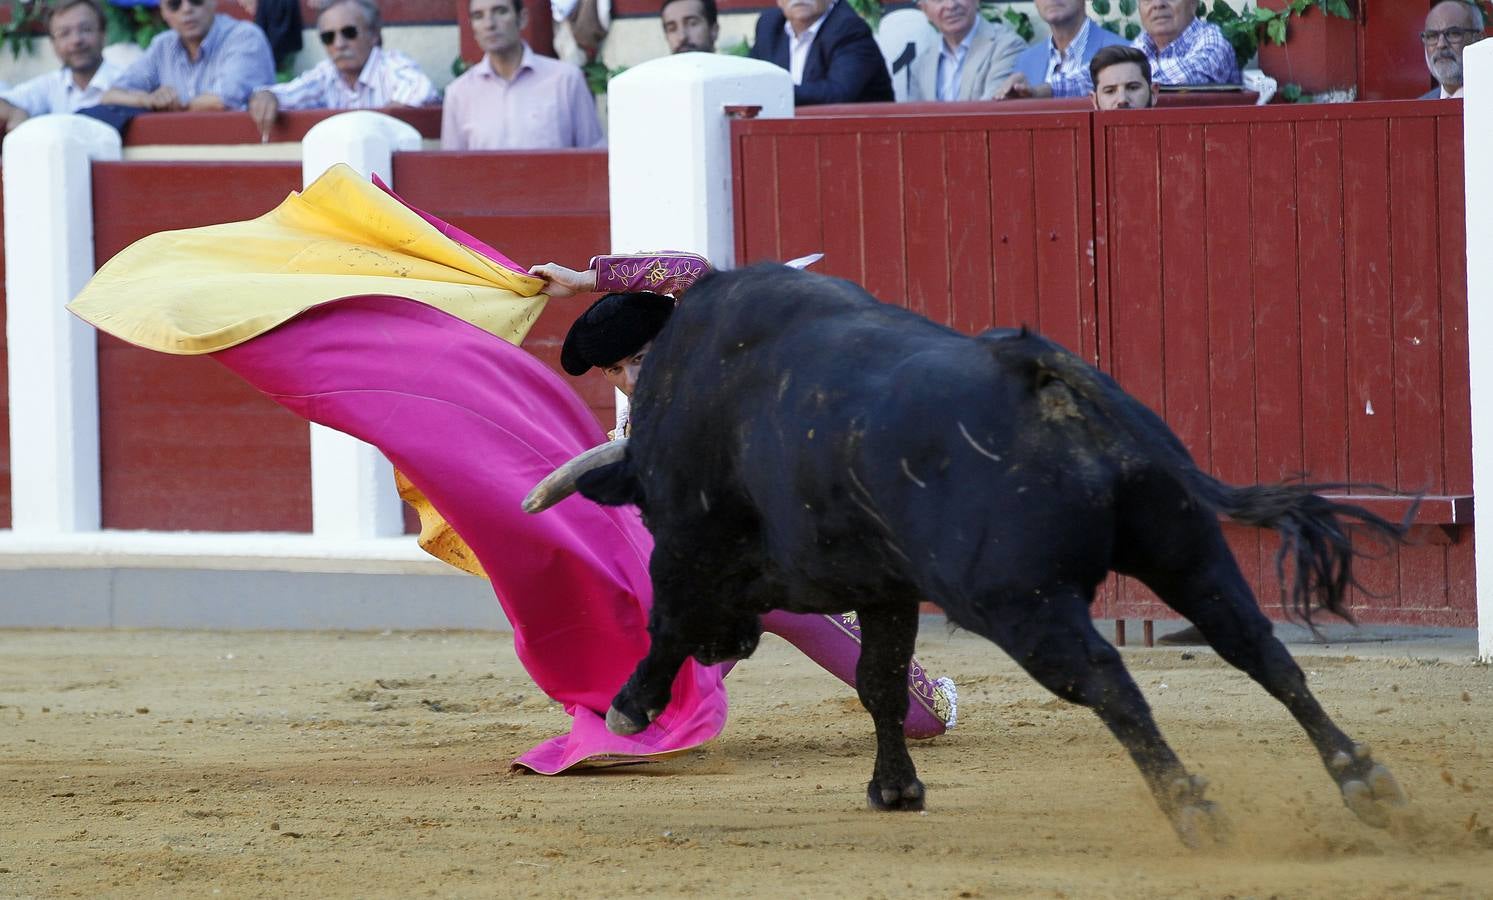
(560, 483)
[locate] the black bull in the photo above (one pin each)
(798, 445)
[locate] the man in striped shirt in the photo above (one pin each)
(359, 73)
(205, 62)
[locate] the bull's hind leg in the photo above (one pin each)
(1214, 595)
(888, 634)
(1051, 635)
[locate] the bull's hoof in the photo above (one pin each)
(1198, 822)
(907, 797)
(1375, 797)
(619, 722)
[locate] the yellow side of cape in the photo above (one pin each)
(206, 289)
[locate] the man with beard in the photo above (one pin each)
(76, 28)
(358, 73)
(1450, 27)
(690, 25)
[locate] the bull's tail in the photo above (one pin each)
(1316, 532)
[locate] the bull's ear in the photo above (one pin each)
(611, 485)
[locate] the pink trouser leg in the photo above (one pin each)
(834, 642)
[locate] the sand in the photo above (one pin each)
(362, 765)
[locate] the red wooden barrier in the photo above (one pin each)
(184, 443)
(195, 128)
(1284, 289)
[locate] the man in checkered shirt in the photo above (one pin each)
(358, 72)
(1182, 48)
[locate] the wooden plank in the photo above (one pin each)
(1183, 308)
(971, 270)
(925, 190)
(881, 203)
(1371, 432)
(840, 172)
(1013, 250)
(1060, 258)
(1324, 400)
(757, 199)
(1277, 340)
(800, 205)
(484, 183)
(1451, 247)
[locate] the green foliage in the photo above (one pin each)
(870, 10)
(20, 32)
(740, 48)
(1020, 21)
(458, 66)
(1291, 93)
(132, 24)
(597, 75)
(1118, 17)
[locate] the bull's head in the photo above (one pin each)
(605, 459)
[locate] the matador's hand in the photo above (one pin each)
(561, 282)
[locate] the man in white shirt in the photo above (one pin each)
(76, 28)
(358, 73)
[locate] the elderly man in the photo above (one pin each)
(514, 99)
(690, 25)
(828, 50)
(974, 58)
(1450, 26)
(205, 62)
(1182, 48)
(1122, 78)
(76, 28)
(1057, 67)
(357, 74)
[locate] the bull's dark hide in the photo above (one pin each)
(799, 445)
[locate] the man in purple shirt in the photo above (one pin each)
(514, 99)
(205, 62)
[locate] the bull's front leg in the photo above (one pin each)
(646, 693)
(888, 634)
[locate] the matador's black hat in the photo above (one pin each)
(614, 328)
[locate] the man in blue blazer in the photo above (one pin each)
(1074, 41)
(827, 48)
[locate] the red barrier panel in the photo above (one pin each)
(1168, 99)
(197, 128)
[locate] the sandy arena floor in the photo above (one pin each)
(315, 765)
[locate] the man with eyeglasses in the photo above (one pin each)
(205, 62)
(77, 31)
(358, 72)
(1450, 26)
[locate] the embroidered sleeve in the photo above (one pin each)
(661, 273)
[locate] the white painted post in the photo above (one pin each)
(1477, 136)
(690, 162)
(54, 440)
(352, 485)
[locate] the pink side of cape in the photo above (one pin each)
(475, 422)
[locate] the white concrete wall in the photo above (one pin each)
(1477, 130)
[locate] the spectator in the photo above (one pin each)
(974, 58)
(828, 50)
(1058, 66)
(358, 73)
(1450, 26)
(76, 28)
(1122, 78)
(280, 20)
(580, 28)
(205, 62)
(1182, 48)
(689, 25)
(513, 99)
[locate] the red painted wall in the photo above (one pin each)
(1263, 278)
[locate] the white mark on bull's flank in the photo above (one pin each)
(975, 444)
(913, 478)
(866, 503)
(704, 502)
(811, 434)
(1368, 408)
